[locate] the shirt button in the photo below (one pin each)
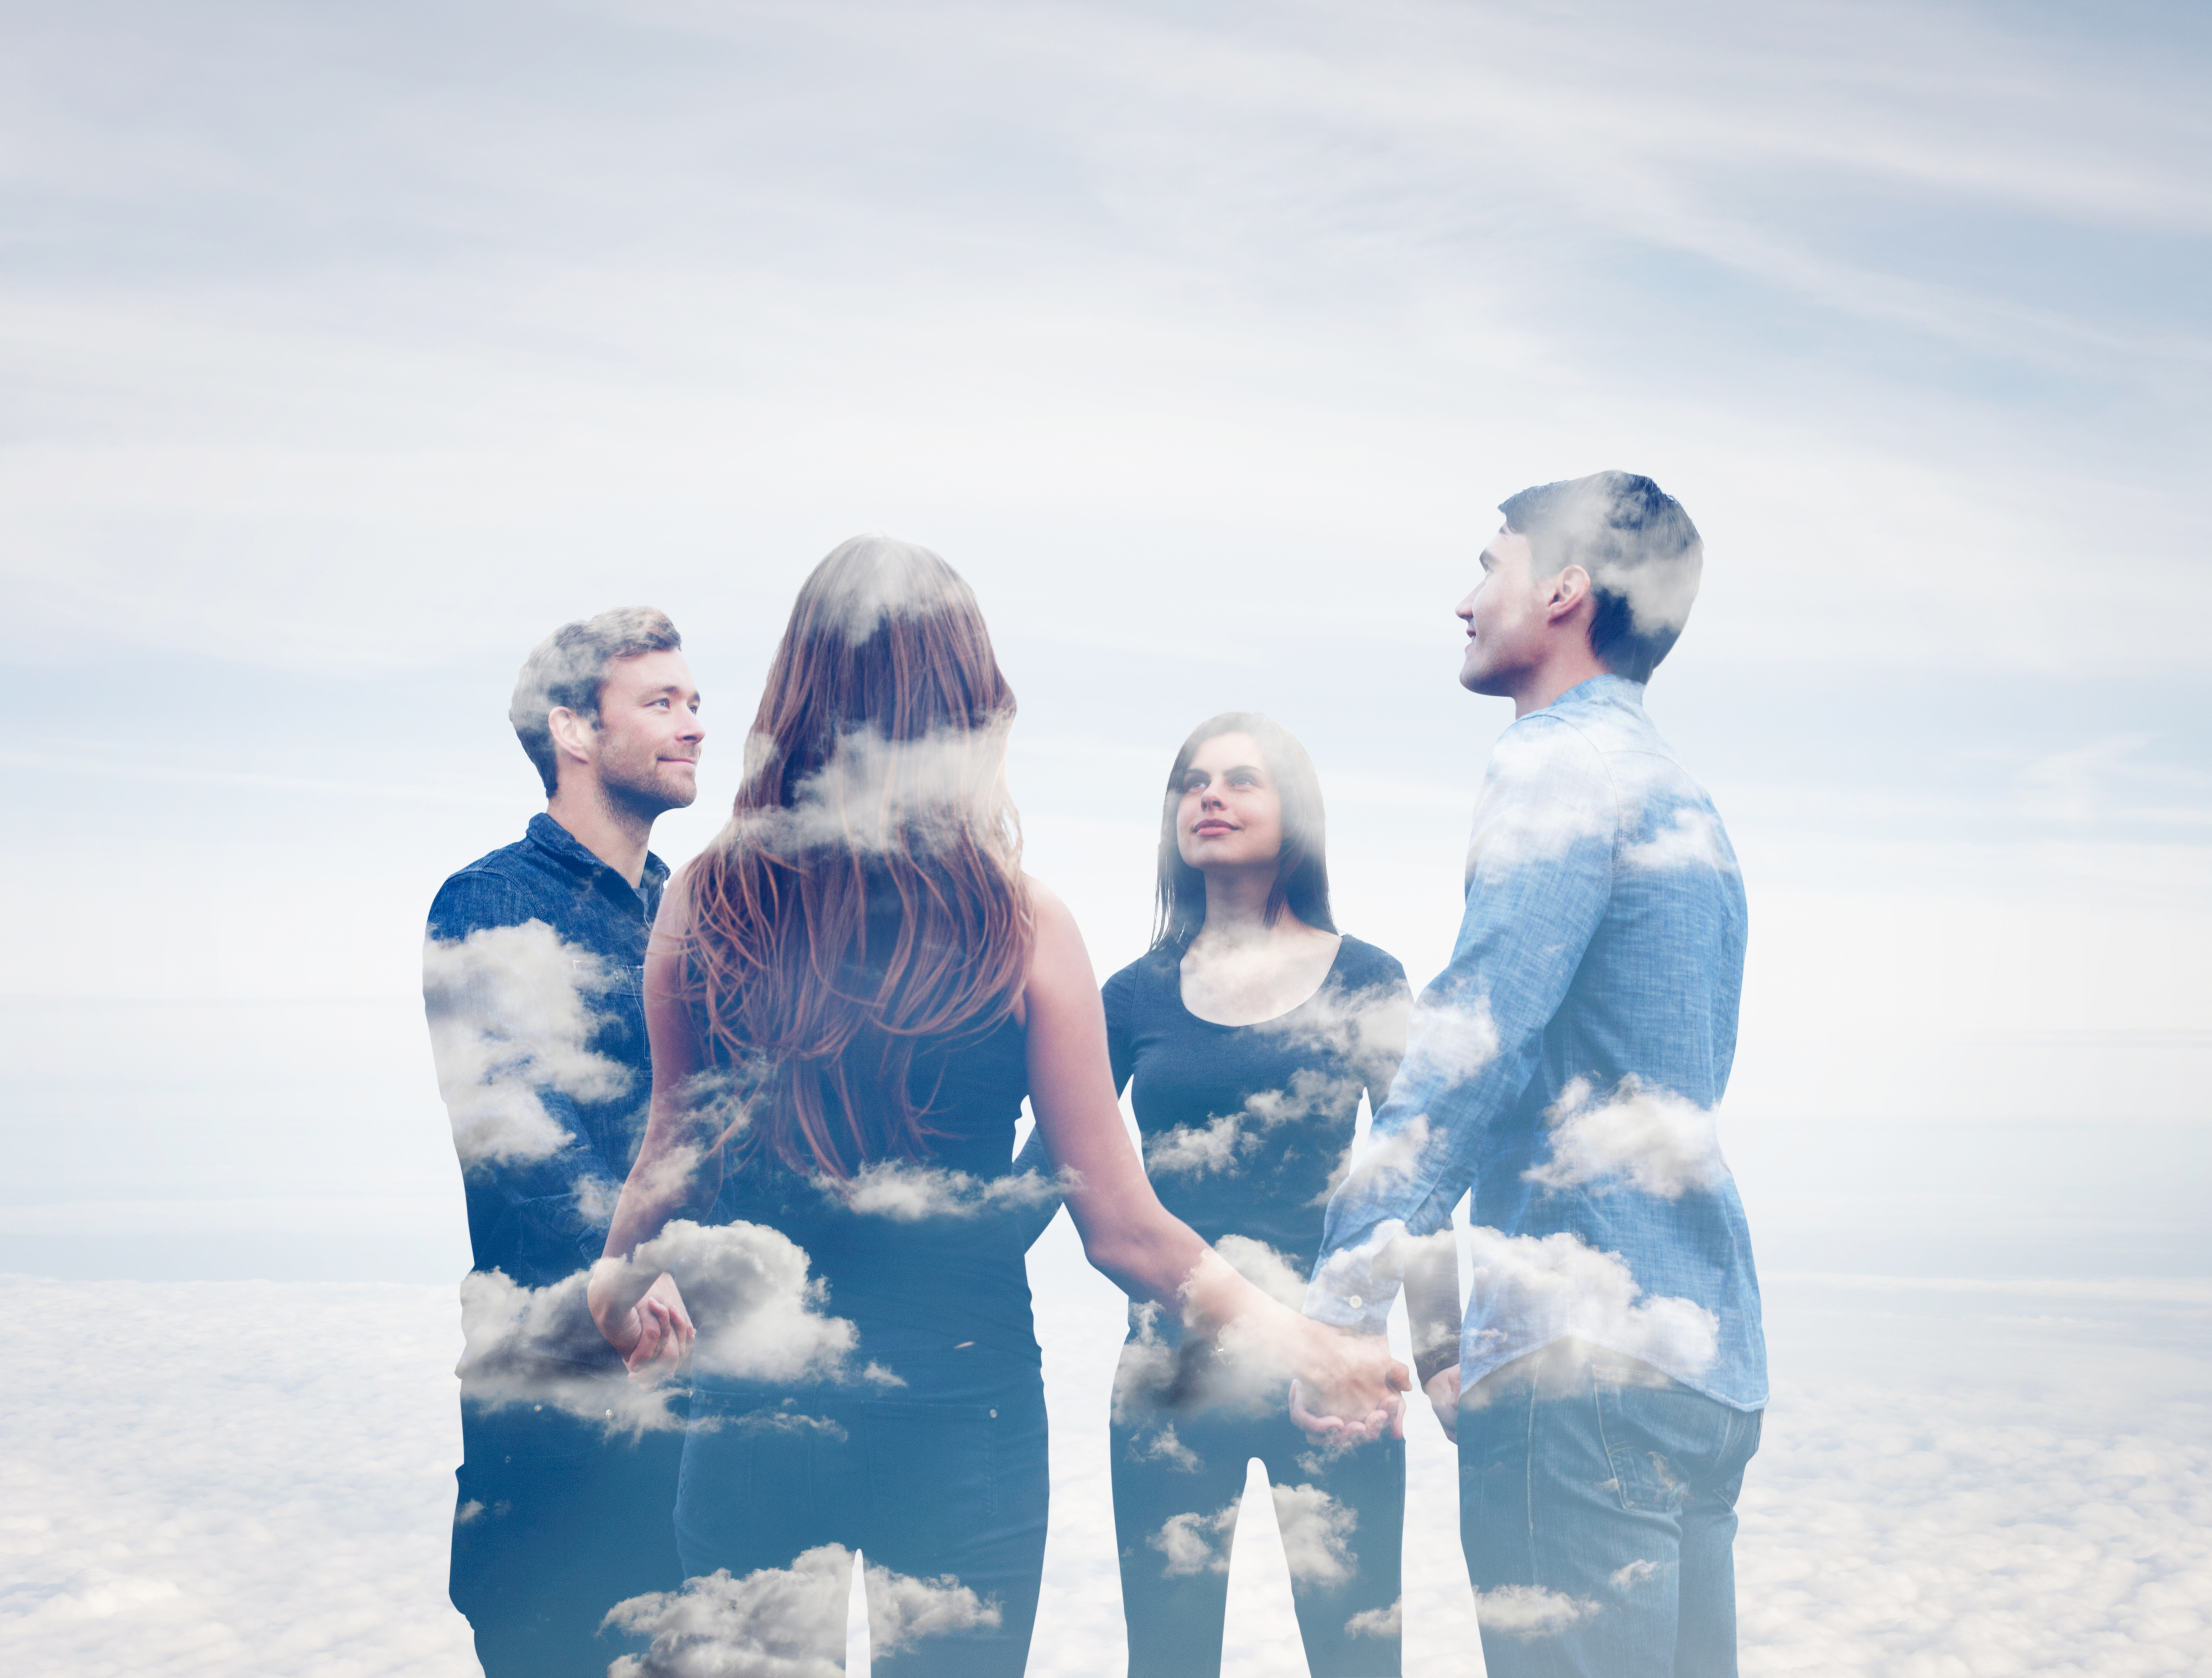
(1355, 1302)
(994, 1415)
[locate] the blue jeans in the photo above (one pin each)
(555, 1523)
(946, 1474)
(1597, 1510)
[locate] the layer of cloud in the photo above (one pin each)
(787, 1622)
(513, 1015)
(1648, 1138)
(1902, 1515)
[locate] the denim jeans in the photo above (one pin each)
(1176, 1611)
(1597, 1510)
(947, 1474)
(554, 1524)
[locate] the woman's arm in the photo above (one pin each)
(1126, 1231)
(676, 1170)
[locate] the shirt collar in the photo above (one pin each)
(1606, 690)
(573, 854)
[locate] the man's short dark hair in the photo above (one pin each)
(1643, 554)
(569, 667)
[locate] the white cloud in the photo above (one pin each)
(1634, 1573)
(1316, 1536)
(1652, 1139)
(1691, 838)
(1225, 1142)
(1316, 1533)
(946, 787)
(908, 1193)
(1165, 1447)
(1562, 1285)
(748, 1295)
(1377, 1622)
(751, 1299)
(1276, 1275)
(512, 1014)
(1528, 1611)
(2014, 1499)
(787, 1622)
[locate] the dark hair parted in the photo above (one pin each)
(1302, 866)
(1643, 554)
(568, 669)
(866, 894)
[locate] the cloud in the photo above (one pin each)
(1634, 1573)
(1165, 1447)
(525, 1347)
(1691, 838)
(1317, 1532)
(751, 1300)
(1359, 1026)
(1235, 1370)
(1653, 1140)
(787, 1622)
(1377, 1622)
(947, 787)
(1225, 1142)
(746, 1287)
(512, 1016)
(1529, 1611)
(906, 1193)
(1563, 1286)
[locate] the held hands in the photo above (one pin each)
(1351, 1389)
(659, 1332)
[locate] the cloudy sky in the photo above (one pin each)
(343, 351)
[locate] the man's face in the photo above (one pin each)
(1504, 616)
(648, 737)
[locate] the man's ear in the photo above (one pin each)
(1570, 588)
(573, 737)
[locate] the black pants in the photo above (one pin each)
(943, 1479)
(1178, 1479)
(554, 1525)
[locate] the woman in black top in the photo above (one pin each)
(1246, 1037)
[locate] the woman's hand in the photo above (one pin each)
(1444, 1398)
(1350, 1389)
(659, 1333)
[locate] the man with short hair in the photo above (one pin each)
(1564, 1068)
(531, 981)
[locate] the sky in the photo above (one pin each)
(345, 351)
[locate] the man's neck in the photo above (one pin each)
(1566, 669)
(617, 835)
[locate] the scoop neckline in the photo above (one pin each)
(1343, 942)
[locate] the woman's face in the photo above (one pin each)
(1230, 816)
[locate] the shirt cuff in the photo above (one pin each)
(1354, 1285)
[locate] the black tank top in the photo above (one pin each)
(934, 1243)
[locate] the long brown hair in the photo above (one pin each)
(867, 894)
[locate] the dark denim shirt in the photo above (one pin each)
(540, 1035)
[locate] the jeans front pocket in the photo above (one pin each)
(1650, 1472)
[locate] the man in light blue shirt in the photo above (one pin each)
(1563, 1070)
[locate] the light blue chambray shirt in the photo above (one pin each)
(1565, 1067)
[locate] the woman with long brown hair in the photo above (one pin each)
(849, 994)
